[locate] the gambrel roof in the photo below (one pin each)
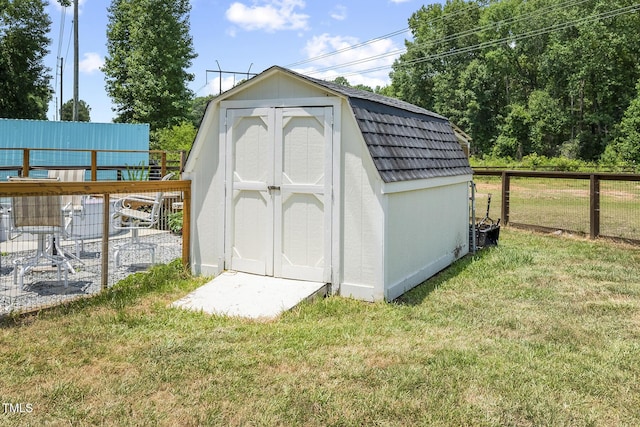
(405, 141)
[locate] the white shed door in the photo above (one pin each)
(279, 195)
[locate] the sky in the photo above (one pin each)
(244, 36)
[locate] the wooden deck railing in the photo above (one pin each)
(165, 164)
(105, 189)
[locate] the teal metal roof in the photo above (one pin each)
(64, 136)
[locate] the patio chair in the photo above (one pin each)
(137, 212)
(73, 205)
(44, 217)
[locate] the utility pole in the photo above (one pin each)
(61, 97)
(75, 60)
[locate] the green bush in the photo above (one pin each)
(175, 222)
(537, 162)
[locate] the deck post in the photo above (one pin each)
(163, 163)
(94, 165)
(25, 162)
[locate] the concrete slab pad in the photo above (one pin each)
(250, 296)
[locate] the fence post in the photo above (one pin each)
(186, 227)
(25, 162)
(163, 163)
(94, 165)
(594, 206)
(183, 157)
(106, 221)
(506, 182)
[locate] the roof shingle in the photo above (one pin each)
(409, 145)
(406, 142)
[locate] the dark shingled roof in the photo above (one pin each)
(405, 141)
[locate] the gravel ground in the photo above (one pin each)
(42, 289)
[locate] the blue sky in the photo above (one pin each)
(244, 35)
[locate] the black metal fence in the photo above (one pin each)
(590, 204)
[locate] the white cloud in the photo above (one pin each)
(91, 63)
(214, 86)
(270, 16)
(400, 1)
(351, 63)
(339, 13)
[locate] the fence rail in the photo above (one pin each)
(166, 161)
(94, 266)
(593, 204)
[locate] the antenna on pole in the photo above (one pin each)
(220, 72)
(220, 75)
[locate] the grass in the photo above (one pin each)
(537, 331)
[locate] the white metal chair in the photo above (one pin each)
(134, 213)
(72, 205)
(42, 216)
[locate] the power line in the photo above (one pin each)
(63, 12)
(467, 49)
(345, 49)
(375, 39)
(456, 36)
(69, 43)
(533, 33)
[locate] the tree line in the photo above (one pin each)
(544, 77)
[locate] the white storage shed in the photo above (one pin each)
(300, 178)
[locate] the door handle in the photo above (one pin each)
(273, 187)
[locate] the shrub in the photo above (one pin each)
(175, 222)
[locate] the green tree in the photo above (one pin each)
(344, 82)
(561, 70)
(428, 73)
(590, 67)
(176, 138)
(84, 111)
(149, 51)
(513, 140)
(198, 107)
(24, 80)
(625, 148)
(547, 124)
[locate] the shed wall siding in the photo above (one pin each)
(207, 177)
(361, 244)
(426, 230)
(277, 87)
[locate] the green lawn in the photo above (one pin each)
(538, 331)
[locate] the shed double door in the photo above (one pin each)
(279, 176)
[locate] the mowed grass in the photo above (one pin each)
(537, 331)
(564, 204)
